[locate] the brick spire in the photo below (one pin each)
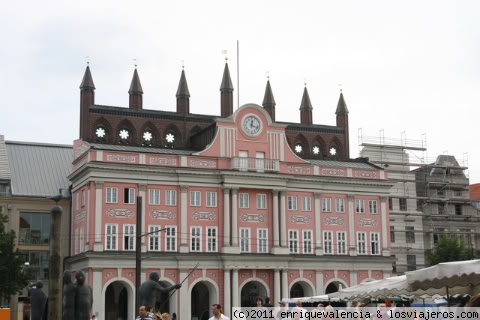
(135, 92)
(87, 99)
(306, 108)
(183, 95)
(342, 121)
(269, 101)
(226, 93)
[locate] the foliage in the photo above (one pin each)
(448, 248)
(12, 276)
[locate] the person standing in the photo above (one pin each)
(218, 313)
(267, 303)
(143, 314)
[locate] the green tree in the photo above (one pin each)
(12, 276)
(448, 248)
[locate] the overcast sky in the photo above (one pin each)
(409, 68)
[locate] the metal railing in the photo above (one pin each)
(255, 164)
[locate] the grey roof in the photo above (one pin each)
(38, 169)
(268, 100)
(182, 91)
(135, 86)
(4, 169)
(341, 106)
(87, 81)
(226, 85)
(306, 104)
(344, 164)
(114, 147)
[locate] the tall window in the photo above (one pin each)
(38, 260)
(307, 242)
(410, 234)
(458, 209)
(372, 205)
(195, 199)
(82, 239)
(327, 242)
(196, 239)
(212, 239)
(394, 263)
(154, 196)
(292, 202)
(211, 199)
(75, 245)
(261, 201)
(244, 240)
(244, 200)
(84, 198)
(293, 241)
(34, 228)
(361, 243)
(128, 237)
(340, 204)
(129, 195)
(403, 204)
(390, 204)
(112, 195)
(326, 205)
(171, 197)
(411, 262)
(341, 242)
(306, 203)
(375, 242)
(262, 240)
(110, 237)
(392, 234)
(154, 238)
(171, 238)
(359, 206)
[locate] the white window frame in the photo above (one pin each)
(306, 203)
(262, 240)
(307, 236)
(373, 206)
(171, 238)
(245, 243)
(111, 195)
(341, 242)
(261, 201)
(328, 242)
(154, 197)
(293, 241)
(111, 238)
(292, 203)
(170, 197)
(359, 206)
(195, 198)
(211, 199)
(129, 237)
(340, 205)
(243, 200)
(361, 243)
(326, 204)
(154, 238)
(195, 239)
(212, 240)
(375, 243)
(131, 196)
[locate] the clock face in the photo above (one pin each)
(251, 125)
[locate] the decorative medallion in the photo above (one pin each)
(303, 170)
(299, 219)
(334, 221)
(367, 222)
(163, 161)
(253, 217)
(203, 163)
(203, 215)
(365, 174)
(333, 172)
(121, 158)
(163, 215)
(120, 213)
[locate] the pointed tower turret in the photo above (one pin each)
(306, 108)
(342, 121)
(135, 100)
(183, 95)
(226, 93)
(268, 101)
(87, 99)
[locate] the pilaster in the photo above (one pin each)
(98, 245)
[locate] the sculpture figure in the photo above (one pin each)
(84, 298)
(151, 291)
(69, 297)
(38, 301)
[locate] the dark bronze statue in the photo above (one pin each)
(84, 298)
(38, 301)
(69, 297)
(151, 291)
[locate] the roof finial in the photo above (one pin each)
(305, 81)
(88, 60)
(267, 73)
(183, 64)
(225, 53)
(135, 62)
(340, 85)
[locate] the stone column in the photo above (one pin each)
(285, 292)
(318, 231)
(99, 299)
(98, 245)
(184, 219)
(319, 282)
(141, 193)
(184, 304)
(226, 217)
(276, 234)
(226, 293)
(351, 226)
(234, 218)
(235, 301)
(385, 235)
(276, 287)
(283, 220)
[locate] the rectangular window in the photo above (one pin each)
(441, 208)
(110, 237)
(38, 260)
(112, 195)
(293, 241)
(307, 242)
(84, 198)
(261, 201)
(195, 199)
(372, 206)
(361, 245)
(34, 228)
(244, 201)
(341, 242)
(306, 203)
(375, 243)
(211, 199)
(154, 238)
(243, 155)
(196, 239)
(326, 205)
(458, 209)
(359, 206)
(171, 197)
(328, 242)
(465, 237)
(394, 263)
(411, 262)
(403, 204)
(292, 202)
(212, 239)
(392, 234)
(154, 196)
(244, 240)
(410, 234)
(262, 240)
(390, 204)
(170, 238)
(128, 237)
(260, 162)
(129, 195)
(340, 205)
